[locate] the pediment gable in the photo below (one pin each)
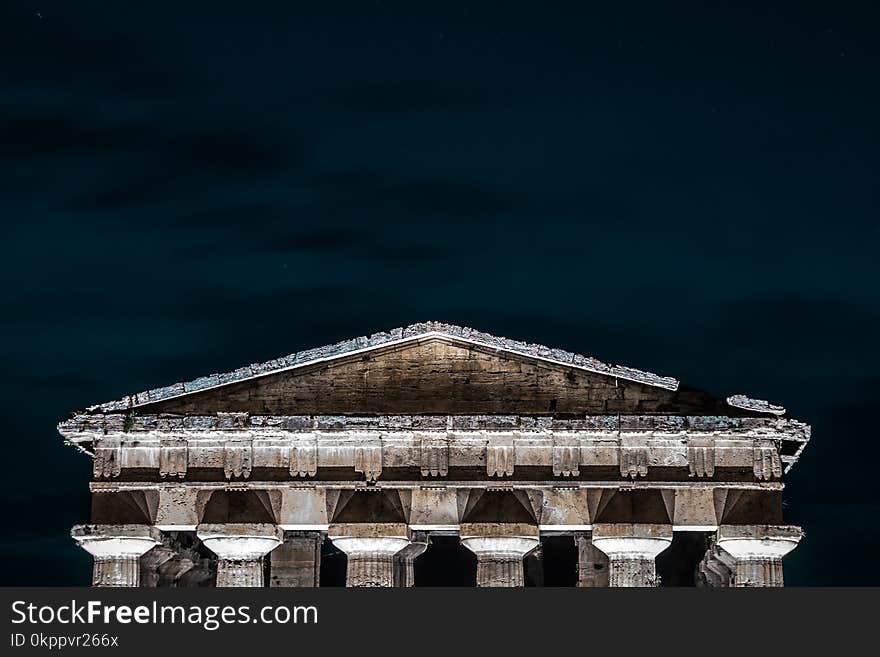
(426, 369)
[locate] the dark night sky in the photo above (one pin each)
(691, 190)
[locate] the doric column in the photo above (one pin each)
(201, 574)
(631, 550)
(240, 549)
(716, 568)
(296, 563)
(172, 570)
(152, 561)
(370, 560)
(116, 550)
(370, 548)
(592, 563)
(500, 558)
(404, 576)
(757, 551)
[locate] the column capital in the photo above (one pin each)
(631, 550)
(116, 541)
(381, 537)
(116, 550)
(240, 541)
(514, 546)
(370, 548)
(508, 539)
(387, 545)
(500, 551)
(632, 540)
(752, 542)
(240, 548)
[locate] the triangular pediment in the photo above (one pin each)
(425, 369)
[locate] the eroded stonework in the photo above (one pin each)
(379, 444)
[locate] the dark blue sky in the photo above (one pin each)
(689, 188)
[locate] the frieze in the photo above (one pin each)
(433, 453)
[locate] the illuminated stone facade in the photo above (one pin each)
(379, 446)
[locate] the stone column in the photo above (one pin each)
(592, 563)
(240, 549)
(370, 548)
(404, 560)
(500, 558)
(172, 570)
(296, 563)
(716, 568)
(201, 574)
(757, 551)
(631, 550)
(152, 561)
(116, 550)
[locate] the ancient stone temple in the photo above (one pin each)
(434, 455)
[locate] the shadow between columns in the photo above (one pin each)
(559, 560)
(677, 565)
(446, 562)
(334, 564)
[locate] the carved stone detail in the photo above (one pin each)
(633, 461)
(197, 442)
(500, 457)
(566, 456)
(238, 458)
(434, 455)
(368, 461)
(107, 461)
(304, 457)
(767, 464)
(701, 456)
(172, 458)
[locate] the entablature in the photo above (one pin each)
(549, 507)
(431, 446)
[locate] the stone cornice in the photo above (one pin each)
(86, 427)
(368, 445)
(433, 436)
(116, 486)
(757, 405)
